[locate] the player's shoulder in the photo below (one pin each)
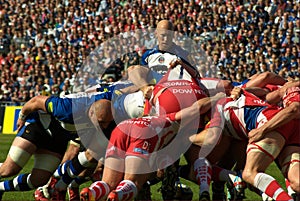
(150, 51)
(178, 50)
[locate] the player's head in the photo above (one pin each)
(100, 113)
(225, 85)
(164, 33)
(292, 95)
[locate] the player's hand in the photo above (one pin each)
(20, 124)
(175, 62)
(236, 93)
(255, 135)
(147, 91)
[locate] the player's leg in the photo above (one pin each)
(46, 191)
(289, 161)
(72, 168)
(113, 174)
(259, 156)
(137, 173)
(18, 155)
(45, 163)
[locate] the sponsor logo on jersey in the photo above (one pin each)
(140, 151)
(161, 59)
(187, 91)
(137, 122)
(50, 107)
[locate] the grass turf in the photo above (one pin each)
(6, 140)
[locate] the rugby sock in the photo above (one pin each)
(203, 171)
(288, 187)
(72, 168)
(126, 190)
(19, 183)
(99, 189)
(268, 185)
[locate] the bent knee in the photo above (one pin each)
(8, 172)
(9, 169)
(295, 185)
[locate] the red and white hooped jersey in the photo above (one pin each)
(210, 83)
(240, 116)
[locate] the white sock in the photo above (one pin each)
(99, 189)
(203, 170)
(126, 190)
(83, 159)
(268, 185)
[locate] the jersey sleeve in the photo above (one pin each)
(171, 116)
(60, 108)
(144, 57)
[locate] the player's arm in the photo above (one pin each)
(200, 107)
(207, 138)
(191, 70)
(259, 92)
(276, 96)
(262, 79)
(212, 134)
(138, 75)
(285, 115)
(34, 104)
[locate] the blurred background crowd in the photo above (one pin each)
(43, 44)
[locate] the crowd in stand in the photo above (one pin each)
(43, 44)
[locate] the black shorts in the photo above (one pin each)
(54, 139)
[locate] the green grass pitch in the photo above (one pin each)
(6, 140)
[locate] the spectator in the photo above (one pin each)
(256, 32)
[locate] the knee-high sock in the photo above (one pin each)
(99, 189)
(288, 187)
(203, 171)
(71, 169)
(268, 185)
(19, 183)
(126, 190)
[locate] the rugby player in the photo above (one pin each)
(243, 115)
(126, 150)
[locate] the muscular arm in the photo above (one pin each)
(281, 118)
(260, 92)
(200, 107)
(138, 75)
(207, 140)
(34, 104)
(275, 96)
